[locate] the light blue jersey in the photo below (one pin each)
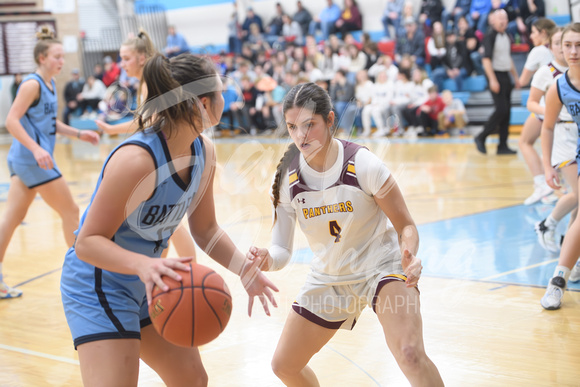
(100, 304)
(39, 122)
(570, 98)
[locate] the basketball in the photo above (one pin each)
(193, 311)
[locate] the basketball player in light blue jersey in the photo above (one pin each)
(33, 124)
(565, 92)
(147, 185)
(363, 238)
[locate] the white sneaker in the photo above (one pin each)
(539, 192)
(547, 236)
(550, 199)
(9, 292)
(552, 300)
(379, 133)
(411, 132)
(575, 273)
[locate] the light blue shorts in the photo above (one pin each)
(32, 175)
(101, 305)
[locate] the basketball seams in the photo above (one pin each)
(192, 305)
(174, 307)
(203, 287)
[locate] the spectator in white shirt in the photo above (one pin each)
(93, 92)
(382, 93)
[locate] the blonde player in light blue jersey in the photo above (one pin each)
(363, 238)
(565, 92)
(33, 124)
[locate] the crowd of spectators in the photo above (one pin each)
(392, 90)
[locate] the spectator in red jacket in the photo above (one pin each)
(350, 18)
(429, 112)
(111, 73)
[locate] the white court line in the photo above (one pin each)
(39, 354)
(518, 269)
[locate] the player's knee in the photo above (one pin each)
(409, 356)
(281, 368)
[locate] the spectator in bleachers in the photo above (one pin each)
(291, 31)
(371, 51)
(274, 28)
(362, 93)
(302, 17)
(456, 64)
(402, 91)
(454, 115)
(327, 63)
(313, 51)
(243, 70)
(527, 12)
(234, 33)
(98, 71)
(72, 90)
(245, 113)
(358, 61)
(93, 92)
(436, 45)
(350, 18)
(248, 54)
(325, 20)
(335, 43)
(176, 43)
(429, 112)
(412, 43)
(342, 95)
(408, 13)
(477, 16)
(16, 85)
(540, 55)
(298, 57)
(430, 12)
(111, 71)
(379, 107)
(251, 18)
(384, 63)
(257, 40)
(450, 19)
(466, 37)
(418, 94)
(392, 17)
(312, 72)
(498, 65)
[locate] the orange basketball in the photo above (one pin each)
(193, 311)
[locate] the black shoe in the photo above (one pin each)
(480, 144)
(505, 151)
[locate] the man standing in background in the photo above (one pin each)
(498, 64)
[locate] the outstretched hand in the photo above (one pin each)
(412, 268)
(89, 136)
(260, 256)
(258, 285)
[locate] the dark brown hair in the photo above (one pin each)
(543, 24)
(308, 96)
(174, 88)
(45, 39)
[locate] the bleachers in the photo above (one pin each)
(87, 124)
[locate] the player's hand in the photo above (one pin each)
(411, 267)
(155, 268)
(552, 178)
(258, 285)
(103, 126)
(43, 158)
(90, 136)
(261, 256)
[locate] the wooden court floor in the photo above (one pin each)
(478, 333)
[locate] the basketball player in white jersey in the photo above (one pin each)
(363, 238)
